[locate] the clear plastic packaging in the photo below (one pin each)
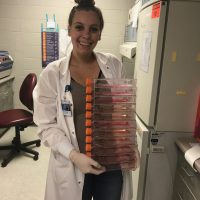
(122, 115)
(114, 131)
(121, 149)
(112, 141)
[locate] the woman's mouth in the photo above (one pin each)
(85, 43)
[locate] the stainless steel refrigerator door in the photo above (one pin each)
(180, 79)
(139, 175)
(155, 176)
(167, 65)
(161, 165)
(148, 59)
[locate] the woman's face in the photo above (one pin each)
(85, 32)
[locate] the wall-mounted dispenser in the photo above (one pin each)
(49, 41)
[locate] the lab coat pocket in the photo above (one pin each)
(61, 169)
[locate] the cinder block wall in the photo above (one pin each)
(20, 22)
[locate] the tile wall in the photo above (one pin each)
(20, 26)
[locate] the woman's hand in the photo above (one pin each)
(85, 163)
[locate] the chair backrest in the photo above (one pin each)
(26, 90)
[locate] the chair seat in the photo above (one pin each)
(20, 119)
(15, 117)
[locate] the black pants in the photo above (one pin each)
(106, 186)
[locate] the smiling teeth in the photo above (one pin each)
(85, 44)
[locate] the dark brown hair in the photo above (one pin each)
(87, 5)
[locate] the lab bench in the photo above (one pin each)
(6, 96)
(187, 180)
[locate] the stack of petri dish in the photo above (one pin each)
(110, 123)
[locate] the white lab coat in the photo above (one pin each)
(64, 180)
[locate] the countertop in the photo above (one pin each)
(3, 80)
(186, 143)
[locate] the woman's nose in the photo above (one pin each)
(86, 33)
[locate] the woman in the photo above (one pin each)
(59, 110)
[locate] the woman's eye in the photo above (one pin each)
(79, 27)
(94, 29)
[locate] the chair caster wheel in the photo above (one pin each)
(35, 157)
(38, 144)
(3, 164)
(14, 140)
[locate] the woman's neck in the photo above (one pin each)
(77, 59)
(82, 68)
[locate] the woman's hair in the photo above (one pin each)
(87, 5)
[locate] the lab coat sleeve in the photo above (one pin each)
(46, 112)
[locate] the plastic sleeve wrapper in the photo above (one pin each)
(110, 123)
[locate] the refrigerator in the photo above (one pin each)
(167, 71)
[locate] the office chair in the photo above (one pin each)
(20, 119)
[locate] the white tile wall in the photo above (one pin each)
(20, 22)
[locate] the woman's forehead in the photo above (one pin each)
(86, 17)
